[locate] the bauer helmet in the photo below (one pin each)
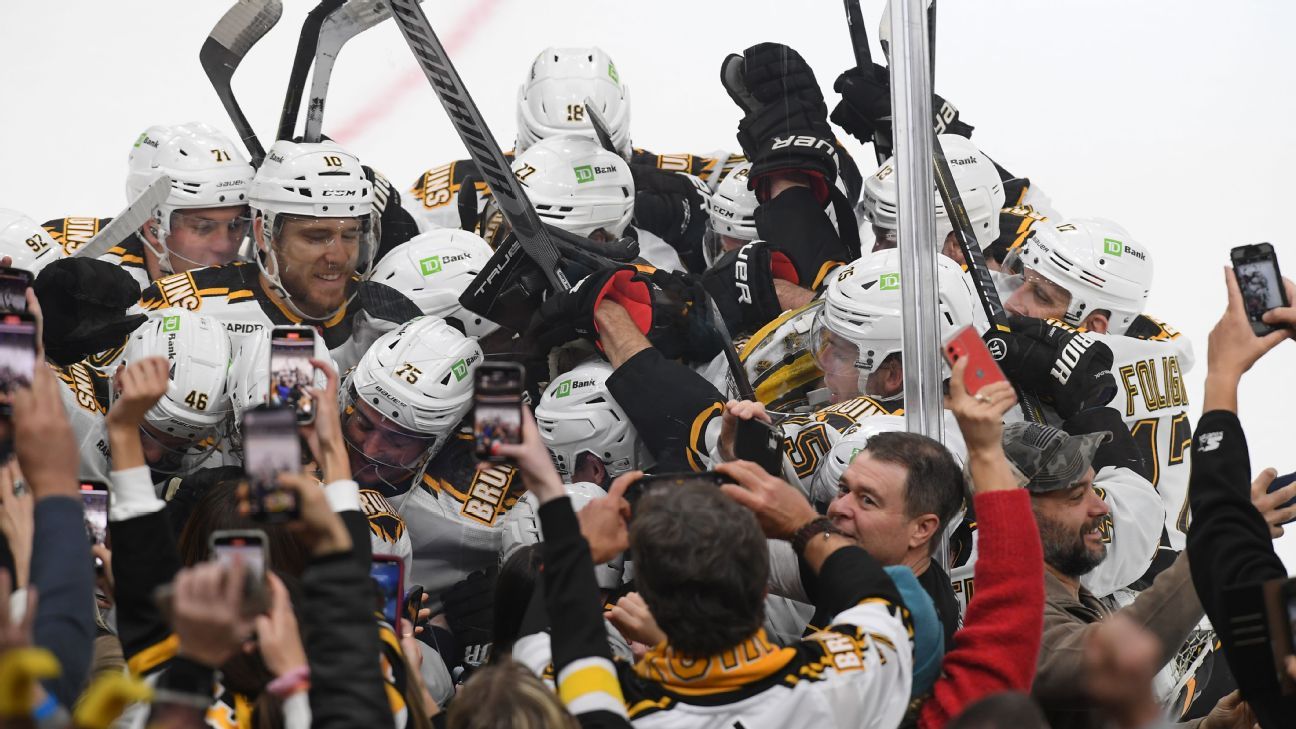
(313, 182)
(206, 171)
(552, 99)
(975, 176)
(860, 323)
(732, 212)
(577, 185)
(1095, 260)
(577, 415)
(405, 400)
(29, 245)
(521, 528)
(432, 269)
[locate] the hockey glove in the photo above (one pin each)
(784, 128)
(697, 339)
(741, 283)
(865, 107)
(655, 312)
(470, 611)
(1069, 369)
(671, 206)
(796, 226)
(84, 303)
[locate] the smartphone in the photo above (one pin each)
(250, 546)
(760, 443)
(1259, 280)
(1279, 483)
(14, 283)
(497, 407)
(291, 350)
(94, 499)
(388, 574)
(654, 481)
(981, 369)
(17, 351)
(414, 603)
(270, 447)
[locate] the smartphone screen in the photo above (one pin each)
(14, 283)
(388, 573)
(17, 351)
(497, 406)
(1256, 269)
(981, 369)
(94, 499)
(291, 372)
(247, 544)
(270, 447)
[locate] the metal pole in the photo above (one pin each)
(911, 105)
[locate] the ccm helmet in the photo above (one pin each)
(732, 212)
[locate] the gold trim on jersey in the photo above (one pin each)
(696, 445)
(155, 655)
(488, 497)
(752, 660)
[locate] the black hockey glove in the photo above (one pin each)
(785, 121)
(865, 107)
(84, 302)
(470, 611)
(657, 312)
(1069, 369)
(741, 283)
(671, 206)
(796, 225)
(699, 341)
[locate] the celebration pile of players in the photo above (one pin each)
(1096, 560)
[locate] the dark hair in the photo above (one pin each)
(1007, 710)
(513, 590)
(934, 483)
(701, 565)
(217, 508)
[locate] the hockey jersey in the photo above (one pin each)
(85, 399)
(74, 231)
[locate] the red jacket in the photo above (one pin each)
(998, 645)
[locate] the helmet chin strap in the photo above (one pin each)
(160, 252)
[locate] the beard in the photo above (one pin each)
(1066, 550)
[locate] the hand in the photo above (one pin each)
(1121, 659)
(140, 385)
(43, 437)
(980, 416)
(1271, 505)
(1070, 369)
(207, 612)
(318, 525)
(669, 204)
(277, 631)
(324, 435)
(1230, 713)
(1232, 346)
(1283, 316)
(604, 522)
(104, 582)
(532, 459)
(13, 634)
(865, 108)
(634, 620)
(569, 315)
(736, 410)
(778, 506)
(17, 522)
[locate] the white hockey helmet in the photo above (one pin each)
(823, 485)
(860, 323)
(197, 397)
(249, 377)
(26, 242)
(732, 212)
(206, 171)
(311, 180)
(577, 185)
(1095, 260)
(432, 269)
(419, 379)
(521, 528)
(577, 414)
(975, 176)
(552, 99)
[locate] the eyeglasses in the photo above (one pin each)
(236, 228)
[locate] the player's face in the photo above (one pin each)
(1038, 297)
(162, 452)
(381, 452)
(1071, 525)
(884, 239)
(317, 258)
(870, 507)
(837, 358)
(206, 236)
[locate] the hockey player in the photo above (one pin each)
(313, 227)
(588, 434)
(731, 215)
(402, 407)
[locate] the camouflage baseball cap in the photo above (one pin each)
(1048, 459)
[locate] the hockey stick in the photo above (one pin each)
(229, 41)
(531, 234)
(339, 27)
(128, 221)
(864, 61)
(306, 44)
(600, 126)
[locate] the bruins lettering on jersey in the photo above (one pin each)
(73, 232)
(809, 439)
(490, 493)
(440, 186)
(384, 522)
(89, 385)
